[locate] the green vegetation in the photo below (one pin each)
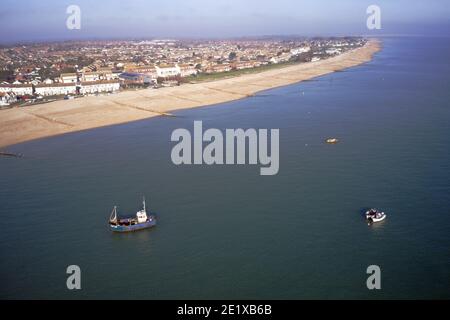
(202, 77)
(232, 56)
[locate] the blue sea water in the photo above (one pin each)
(228, 232)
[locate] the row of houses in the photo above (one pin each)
(163, 71)
(101, 74)
(54, 89)
(224, 67)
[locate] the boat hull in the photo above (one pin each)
(131, 228)
(378, 219)
(372, 219)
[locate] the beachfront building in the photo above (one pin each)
(300, 50)
(55, 89)
(219, 68)
(148, 70)
(129, 78)
(17, 89)
(90, 76)
(68, 77)
(284, 57)
(105, 73)
(99, 75)
(187, 70)
(243, 65)
(333, 51)
(99, 86)
(168, 70)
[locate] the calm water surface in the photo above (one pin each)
(226, 231)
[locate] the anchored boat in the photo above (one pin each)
(332, 140)
(374, 215)
(142, 221)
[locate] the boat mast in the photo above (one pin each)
(143, 202)
(113, 217)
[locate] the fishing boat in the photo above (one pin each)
(374, 215)
(142, 221)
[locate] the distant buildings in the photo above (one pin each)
(245, 65)
(300, 50)
(219, 68)
(89, 67)
(333, 51)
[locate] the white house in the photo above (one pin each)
(165, 71)
(187, 70)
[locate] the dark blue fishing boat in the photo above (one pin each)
(142, 221)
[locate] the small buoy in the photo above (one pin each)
(332, 140)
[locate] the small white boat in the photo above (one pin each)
(374, 215)
(332, 140)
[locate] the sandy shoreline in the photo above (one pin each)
(39, 121)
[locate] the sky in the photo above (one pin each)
(45, 20)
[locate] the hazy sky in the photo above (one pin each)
(29, 20)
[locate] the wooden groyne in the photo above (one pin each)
(10, 154)
(161, 113)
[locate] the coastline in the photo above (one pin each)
(39, 121)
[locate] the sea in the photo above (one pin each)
(227, 232)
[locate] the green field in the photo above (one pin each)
(202, 77)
